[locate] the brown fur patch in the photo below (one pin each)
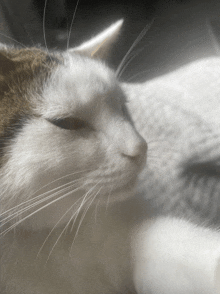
(22, 71)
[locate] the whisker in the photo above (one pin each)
(96, 210)
(71, 25)
(163, 65)
(45, 193)
(17, 213)
(40, 196)
(138, 74)
(107, 201)
(66, 226)
(82, 203)
(24, 46)
(83, 216)
(129, 61)
(137, 40)
(44, 28)
(212, 36)
(61, 178)
(57, 224)
(10, 38)
(41, 208)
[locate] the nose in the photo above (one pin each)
(131, 144)
(128, 141)
(136, 148)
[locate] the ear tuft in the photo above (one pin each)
(100, 45)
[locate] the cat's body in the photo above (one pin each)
(68, 144)
(178, 115)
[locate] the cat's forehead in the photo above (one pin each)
(79, 83)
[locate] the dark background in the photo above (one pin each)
(181, 32)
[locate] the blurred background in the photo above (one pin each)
(180, 32)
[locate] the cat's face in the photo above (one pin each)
(75, 143)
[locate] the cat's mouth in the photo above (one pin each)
(116, 185)
(113, 190)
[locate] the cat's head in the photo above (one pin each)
(65, 134)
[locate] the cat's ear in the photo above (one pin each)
(100, 45)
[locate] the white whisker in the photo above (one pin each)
(41, 208)
(82, 203)
(13, 40)
(163, 65)
(107, 201)
(58, 224)
(45, 193)
(44, 29)
(129, 61)
(212, 36)
(96, 210)
(28, 207)
(137, 40)
(66, 226)
(83, 216)
(70, 184)
(138, 74)
(71, 25)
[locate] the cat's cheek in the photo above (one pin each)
(36, 153)
(56, 214)
(50, 146)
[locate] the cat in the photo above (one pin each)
(71, 218)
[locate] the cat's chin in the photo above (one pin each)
(116, 196)
(120, 194)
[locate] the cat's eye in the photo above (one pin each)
(70, 123)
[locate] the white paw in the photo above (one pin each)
(167, 277)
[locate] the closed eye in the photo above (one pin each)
(70, 123)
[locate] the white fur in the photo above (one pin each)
(173, 256)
